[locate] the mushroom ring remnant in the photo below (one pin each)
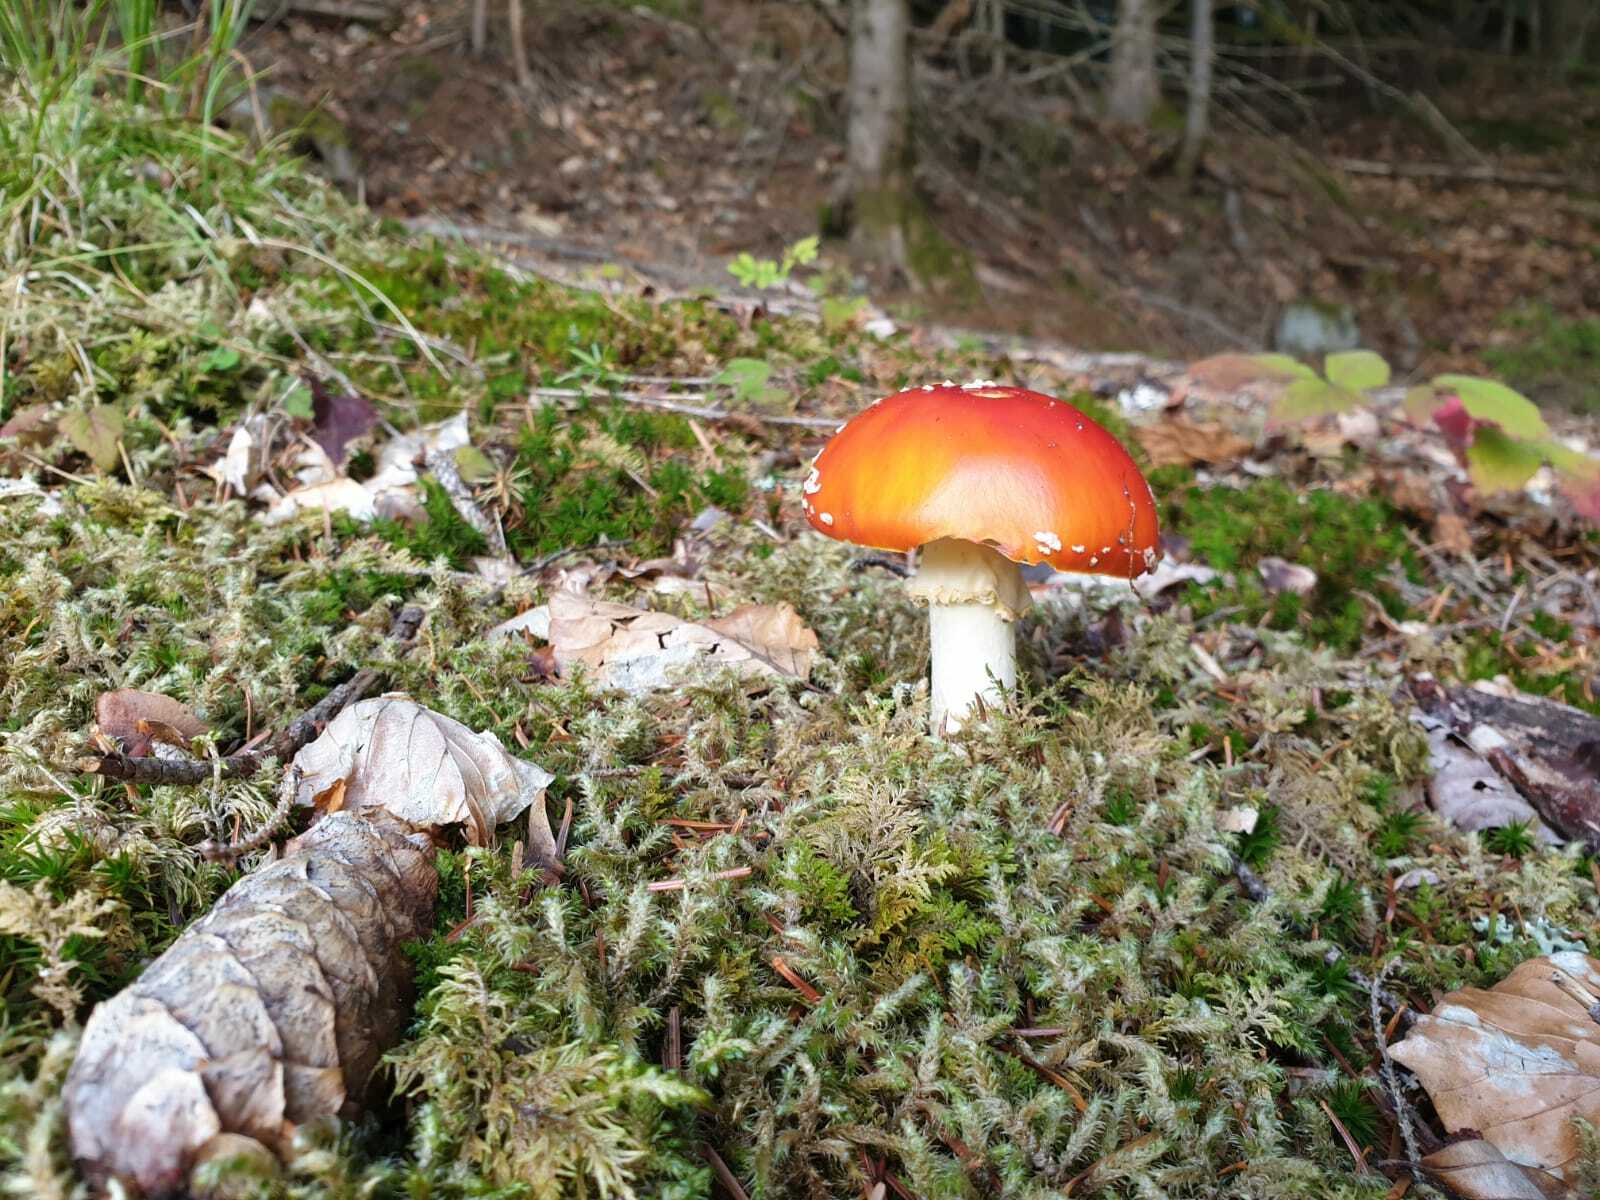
(982, 478)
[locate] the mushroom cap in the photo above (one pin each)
(1025, 473)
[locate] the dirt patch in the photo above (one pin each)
(652, 139)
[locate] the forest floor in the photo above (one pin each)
(1154, 923)
(653, 141)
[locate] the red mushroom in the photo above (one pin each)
(982, 478)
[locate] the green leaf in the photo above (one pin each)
(747, 377)
(221, 358)
(299, 402)
(1356, 370)
(1569, 461)
(1499, 463)
(96, 432)
(839, 312)
(1282, 364)
(473, 465)
(801, 253)
(1490, 401)
(1305, 399)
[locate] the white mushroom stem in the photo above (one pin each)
(974, 596)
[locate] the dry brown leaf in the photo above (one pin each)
(138, 719)
(1475, 1170)
(1181, 442)
(30, 426)
(1518, 1062)
(1233, 372)
(637, 650)
(424, 768)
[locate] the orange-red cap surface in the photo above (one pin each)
(1030, 475)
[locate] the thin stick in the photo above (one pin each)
(689, 410)
(281, 747)
(1402, 1111)
(677, 885)
(229, 852)
(724, 1176)
(1452, 173)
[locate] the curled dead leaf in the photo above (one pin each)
(424, 768)
(638, 650)
(1468, 792)
(1516, 1062)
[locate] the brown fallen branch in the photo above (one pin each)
(1548, 751)
(1466, 173)
(344, 10)
(282, 746)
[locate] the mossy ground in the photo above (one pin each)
(1031, 967)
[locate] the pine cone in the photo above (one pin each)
(270, 1011)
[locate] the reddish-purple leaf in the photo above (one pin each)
(1456, 423)
(338, 420)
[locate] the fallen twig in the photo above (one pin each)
(1391, 1081)
(689, 410)
(1465, 173)
(282, 747)
(442, 466)
(677, 885)
(725, 1176)
(213, 850)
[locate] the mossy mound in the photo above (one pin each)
(1024, 964)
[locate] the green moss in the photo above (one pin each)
(609, 473)
(444, 534)
(1062, 869)
(1487, 654)
(1352, 544)
(1551, 356)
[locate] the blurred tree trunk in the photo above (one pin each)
(1566, 26)
(878, 156)
(519, 46)
(480, 27)
(1134, 91)
(1202, 56)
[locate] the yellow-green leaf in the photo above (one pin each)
(1498, 463)
(1305, 399)
(1356, 370)
(1282, 364)
(473, 465)
(96, 432)
(1486, 400)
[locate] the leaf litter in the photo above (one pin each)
(916, 893)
